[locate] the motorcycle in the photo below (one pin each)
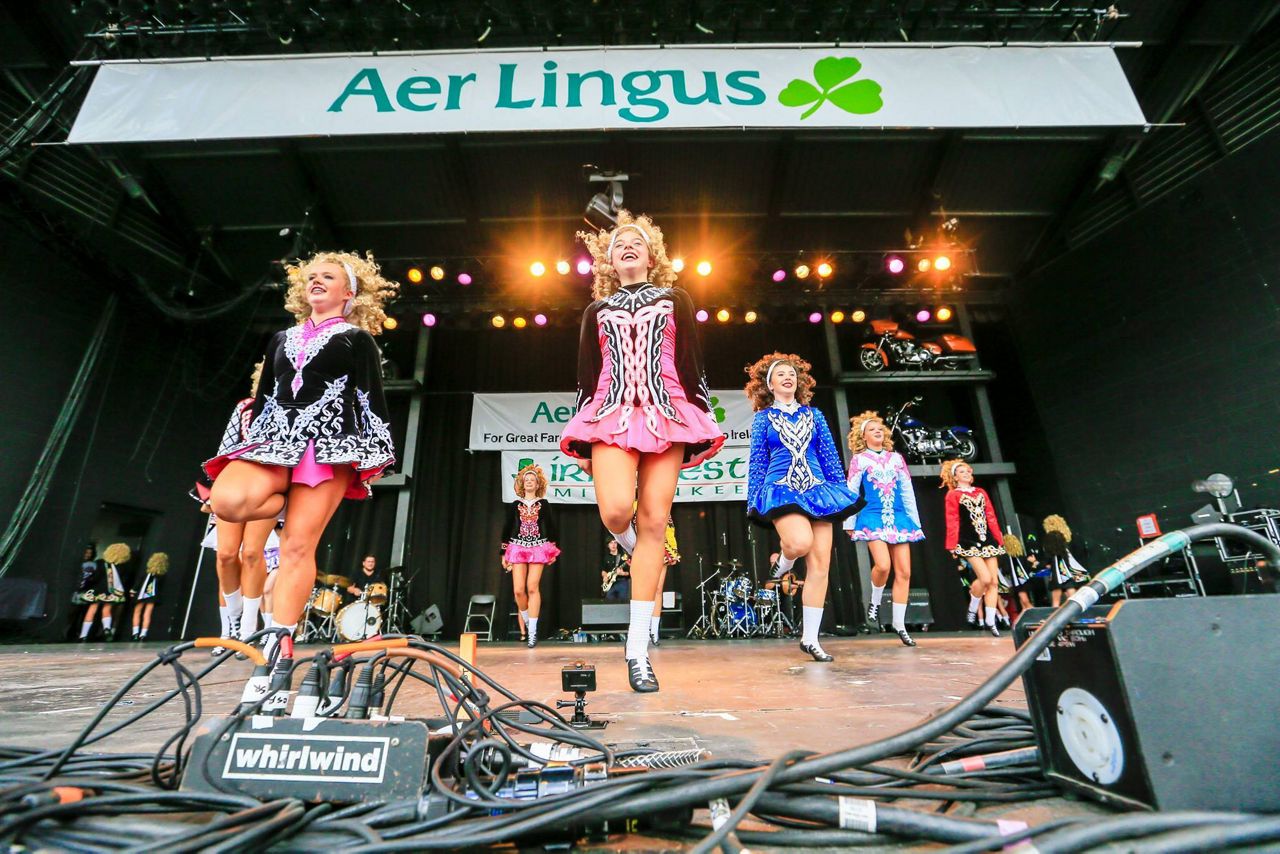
(930, 443)
(895, 345)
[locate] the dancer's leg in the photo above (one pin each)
(310, 509)
(245, 491)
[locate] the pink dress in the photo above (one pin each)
(640, 380)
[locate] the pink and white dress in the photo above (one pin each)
(529, 535)
(640, 380)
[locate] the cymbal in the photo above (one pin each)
(333, 581)
(735, 564)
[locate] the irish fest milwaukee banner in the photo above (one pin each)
(721, 478)
(502, 422)
(725, 86)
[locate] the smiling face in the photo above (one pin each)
(783, 382)
(874, 434)
(328, 288)
(529, 485)
(963, 473)
(630, 256)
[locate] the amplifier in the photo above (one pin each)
(1255, 519)
(1165, 704)
(599, 612)
(316, 759)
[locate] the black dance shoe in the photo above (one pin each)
(995, 632)
(905, 638)
(873, 615)
(641, 676)
(817, 652)
(973, 621)
(533, 641)
(653, 641)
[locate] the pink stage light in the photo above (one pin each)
(815, 317)
(779, 275)
(540, 319)
(584, 267)
(702, 315)
(895, 264)
(464, 278)
(428, 319)
(923, 315)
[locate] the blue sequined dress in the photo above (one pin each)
(795, 467)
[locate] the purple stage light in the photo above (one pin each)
(464, 278)
(923, 315)
(895, 264)
(815, 317)
(540, 319)
(584, 267)
(779, 275)
(428, 319)
(702, 315)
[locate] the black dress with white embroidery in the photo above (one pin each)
(320, 398)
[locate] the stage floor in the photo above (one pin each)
(743, 699)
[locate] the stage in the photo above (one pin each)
(751, 699)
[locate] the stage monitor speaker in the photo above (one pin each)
(1168, 704)
(429, 622)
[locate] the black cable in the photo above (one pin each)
(1215, 838)
(745, 805)
(1131, 827)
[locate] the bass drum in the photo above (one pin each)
(358, 621)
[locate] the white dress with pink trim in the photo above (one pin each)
(640, 379)
(882, 480)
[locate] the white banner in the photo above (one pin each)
(593, 88)
(721, 478)
(501, 422)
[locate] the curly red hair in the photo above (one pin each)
(758, 389)
(536, 471)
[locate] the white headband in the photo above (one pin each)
(355, 288)
(768, 375)
(869, 422)
(618, 230)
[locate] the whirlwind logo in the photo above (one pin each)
(321, 758)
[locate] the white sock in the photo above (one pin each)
(991, 616)
(85, 628)
(532, 624)
(142, 635)
(877, 593)
(655, 626)
(638, 630)
(899, 616)
(812, 622)
(973, 604)
(249, 620)
(266, 620)
(524, 615)
(627, 539)
(106, 623)
(226, 621)
(784, 565)
(235, 603)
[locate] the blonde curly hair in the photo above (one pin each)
(1057, 523)
(605, 278)
(255, 378)
(858, 442)
(1013, 545)
(117, 553)
(536, 471)
(948, 474)
(758, 389)
(158, 564)
(374, 290)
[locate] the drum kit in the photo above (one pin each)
(326, 620)
(734, 605)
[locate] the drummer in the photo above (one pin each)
(368, 576)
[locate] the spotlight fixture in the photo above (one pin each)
(895, 265)
(942, 263)
(943, 314)
(519, 323)
(540, 319)
(537, 269)
(437, 273)
(923, 315)
(414, 275)
(815, 317)
(702, 315)
(704, 268)
(602, 210)
(779, 275)
(584, 267)
(750, 317)
(923, 265)
(428, 319)
(825, 270)
(858, 316)
(802, 271)
(723, 315)
(562, 267)
(390, 323)
(498, 321)
(837, 317)
(677, 264)
(464, 278)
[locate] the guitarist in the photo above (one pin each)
(615, 577)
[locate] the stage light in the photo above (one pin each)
(437, 273)
(677, 264)
(895, 265)
(428, 319)
(858, 316)
(702, 315)
(837, 317)
(519, 323)
(922, 316)
(464, 278)
(540, 319)
(815, 317)
(923, 265)
(414, 275)
(825, 270)
(750, 317)
(779, 275)
(942, 263)
(537, 268)
(943, 314)
(802, 271)
(390, 323)
(562, 267)
(723, 315)
(704, 268)
(498, 321)
(584, 267)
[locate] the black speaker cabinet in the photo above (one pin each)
(1167, 704)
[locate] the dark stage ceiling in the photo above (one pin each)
(156, 212)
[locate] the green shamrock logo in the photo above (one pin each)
(718, 410)
(860, 97)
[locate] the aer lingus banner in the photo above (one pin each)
(592, 88)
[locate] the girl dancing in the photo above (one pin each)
(529, 544)
(973, 535)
